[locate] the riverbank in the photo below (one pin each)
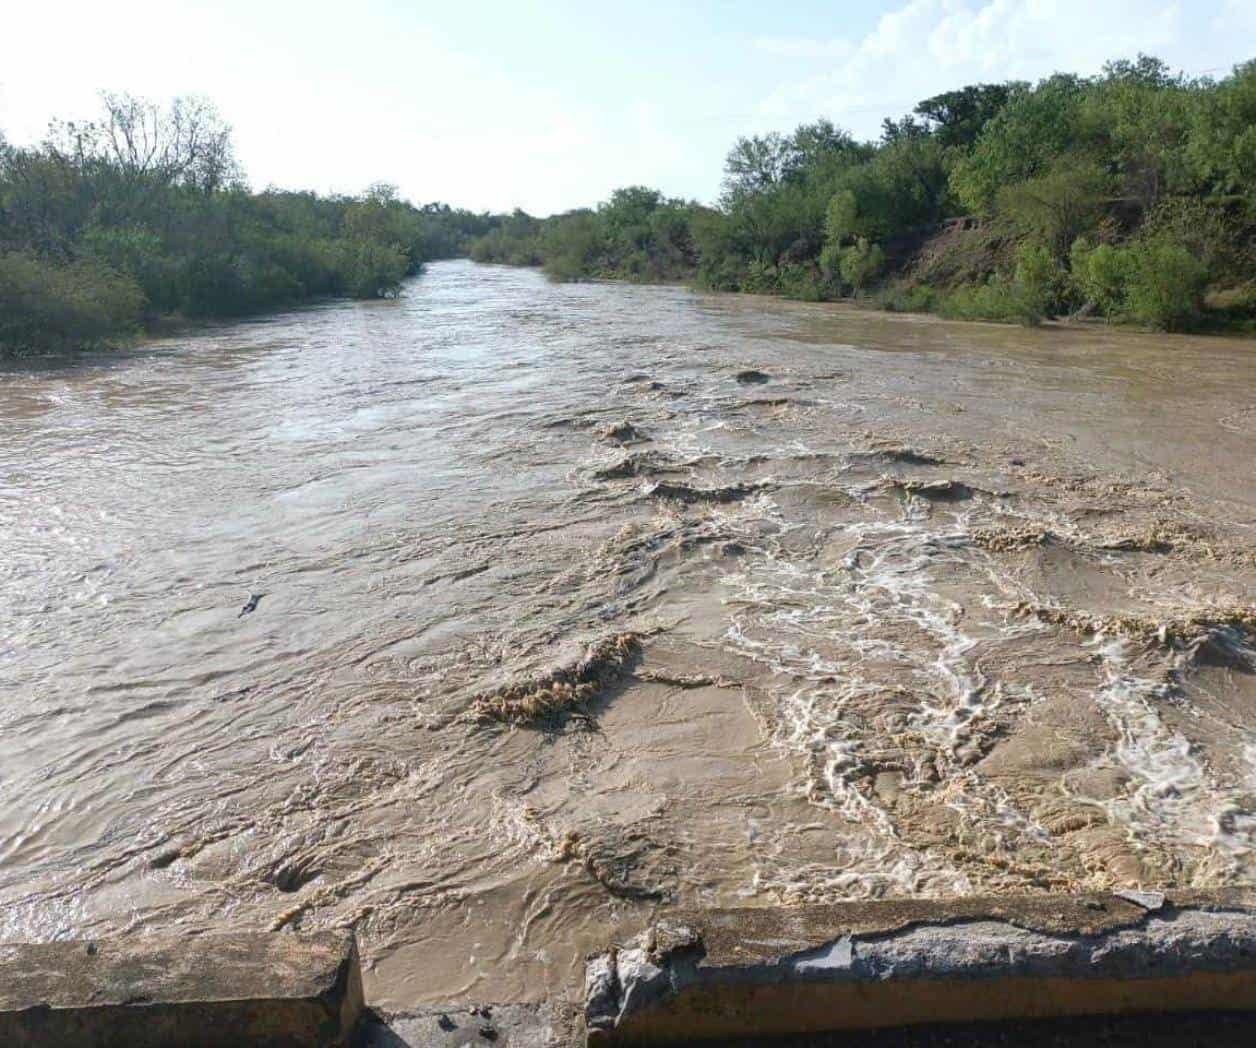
(99, 245)
(968, 287)
(1218, 319)
(52, 309)
(1135, 206)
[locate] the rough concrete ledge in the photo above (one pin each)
(275, 990)
(756, 973)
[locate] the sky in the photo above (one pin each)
(549, 105)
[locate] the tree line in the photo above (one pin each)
(108, 225)
(1129, 195)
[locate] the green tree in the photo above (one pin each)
(903, 186)
(1033, 128)
(1059, 205)
(957, 118)
(1221, 142)
(1138, 116)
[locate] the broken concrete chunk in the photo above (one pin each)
(837, 954)
(642, 982)
(1147, 900)
(601, 992)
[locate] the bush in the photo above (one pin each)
(720, 274)
(999, 299)
(1240, 302)
(369, 269)
(861, 263)
(44, 306)
(918, 298)
(139, 252)
(1154, 280)
(1040, 281)
(1166, 285)
(804, 282)
(565, 269)
(1099, 274)
(760, 278)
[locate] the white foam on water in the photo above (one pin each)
(836, 636)
(1172, 798)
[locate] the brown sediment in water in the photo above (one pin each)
(842, 705)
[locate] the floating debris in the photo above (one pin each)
(561, 688)
(623, 433)
(1010, 540)
(690, 494)
(1185, 630)
(935, 490)
(642, 464)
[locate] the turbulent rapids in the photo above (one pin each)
(584, 601)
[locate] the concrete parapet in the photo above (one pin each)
(766, 972)
(276, 990)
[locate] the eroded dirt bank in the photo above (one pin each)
(580, 602)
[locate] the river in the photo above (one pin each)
(581, 601)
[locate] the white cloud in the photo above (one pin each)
(927, 46)
(801, 47)
(412, 95)
(1239, 16)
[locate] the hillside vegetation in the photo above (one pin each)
(108, 225)
(1130, 195)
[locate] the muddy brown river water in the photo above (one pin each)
(581, 601)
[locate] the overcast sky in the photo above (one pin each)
(547, 105)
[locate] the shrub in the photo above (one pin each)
(861, 263)
(44, 306)
(831, 260)
(565, 269)
(1166, 284)
(138, 252)
(370, 269)
(804, 282)
(1100, 274)
(918, 298)
(1238, 301)
(998, 299)
(1040, 281)
(721, 274)
(760, 278)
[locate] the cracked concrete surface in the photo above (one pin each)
(729, 973)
